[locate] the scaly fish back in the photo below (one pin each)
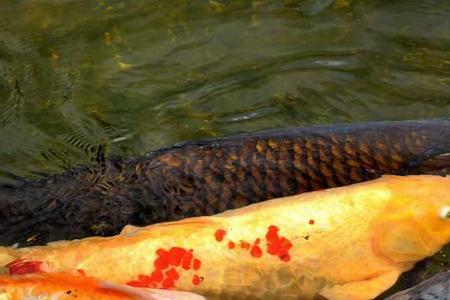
(208, 177)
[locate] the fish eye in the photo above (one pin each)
(445, 213)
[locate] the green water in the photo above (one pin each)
(136, 75)
(132, 76)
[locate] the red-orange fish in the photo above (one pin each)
(62, 286)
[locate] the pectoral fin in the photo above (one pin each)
(401, 240)
(130, 229)
(361, 290)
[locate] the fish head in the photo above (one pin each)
(416, 222)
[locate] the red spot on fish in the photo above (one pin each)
(277, 245)
(172, 274)
(167, 283)
(20, 267)
(165, 273)
(196, 264)
(145, 279)
(176, 254)
(187, 261)
(81, 272)
(163, 259)
(311, 222)
(135, 283)
(285, 257)
(245, 245)
(231, 245)
(220, 234)
(272, 233)
(196, 280)
(256, 251)
(156, 276)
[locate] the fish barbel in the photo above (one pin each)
(209, 177)
(343, 243)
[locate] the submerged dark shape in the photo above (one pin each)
(435, 288)
(207, 177)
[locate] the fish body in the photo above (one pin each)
(435, 288)
(209, 177)
(343, 243)
(68, 286)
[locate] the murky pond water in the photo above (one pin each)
(124, 77)
(136, 75)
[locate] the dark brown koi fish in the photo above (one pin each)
(208, 177)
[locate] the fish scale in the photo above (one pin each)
(347, 243)
(208, 177)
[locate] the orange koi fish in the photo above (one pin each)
(62, 286)
(348, 243)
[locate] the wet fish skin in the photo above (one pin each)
(66, 285)
(207, 177)
(347, 243)
(435, 288)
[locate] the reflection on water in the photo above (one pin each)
(79, 77)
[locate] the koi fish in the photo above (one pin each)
(62, 286)
(435, 288)
(209, 177)
(347, 243)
